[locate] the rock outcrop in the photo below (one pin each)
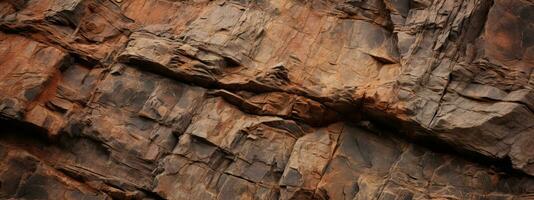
(270, 99)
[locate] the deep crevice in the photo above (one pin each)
(423, 138)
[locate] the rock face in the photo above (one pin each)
(270, 99)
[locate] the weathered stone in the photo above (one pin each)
(24, 176)
(271, 99)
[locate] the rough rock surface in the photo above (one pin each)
(268, 99)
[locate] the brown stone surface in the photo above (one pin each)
(270, 99)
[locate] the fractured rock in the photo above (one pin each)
(271, 99)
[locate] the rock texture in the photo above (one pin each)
(269, 99)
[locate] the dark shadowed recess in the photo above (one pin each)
(28, 139)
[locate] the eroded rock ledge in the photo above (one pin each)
(274, 99)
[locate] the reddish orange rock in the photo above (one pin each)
(271, 99)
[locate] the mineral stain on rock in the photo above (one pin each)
(271, 99)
